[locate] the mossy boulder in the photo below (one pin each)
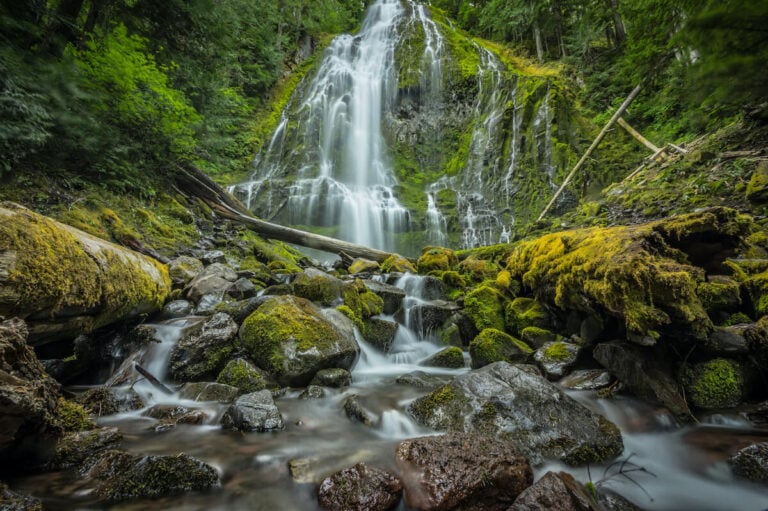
(523, 312)
(717, 383)
(484, 306)
(317, 286)
(719, 294)
(361, 265)
(397, 264)
(100, 401)
(478, 270)
(509, 402)
(436, 259)
(757, 189)
(555, 358)
(66, 282)
(363, 302)
(537, 337)
(245, 376)
(253, 412)
(451, 358)
(393, 296)
(203, 352)
(183, 269)
(380, 333)
(493, 345)
(293, 339)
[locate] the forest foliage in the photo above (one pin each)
(118, 90)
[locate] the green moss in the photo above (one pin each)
(348, 312)
(397, 263)
(452, 357)
(484, 306)
(757, 189)
(363, 302)
(72, 416)
(523, 312)
(717, 383)
(276, 255)
(721, 294)
(318, 287)
(557, 351)
(493, 345)
(241, 374)
(440, 408)
(436, 259)
(478, 270)
(535, 336)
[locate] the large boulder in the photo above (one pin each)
(360, 488)
(253, 412)
(317, 286)
(28, 396)
(462, 471)
(118, 475)
(510, 402)
(380, 333)
(64, 282)
(555, 358)
(201, 354)
(293, 339)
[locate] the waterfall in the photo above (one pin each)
(437, 225)
(542, 126)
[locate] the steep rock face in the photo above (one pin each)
(63, 281)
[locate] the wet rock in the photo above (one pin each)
(101, 401)
(645, 372)
(428, 317)
(537, 337)
(177, 309)
(360, 488)
(28, 396)
(253, 412)
(731, 340)
(357, 413)
(319, 287)
(214, 256)
(245, 376)
(380, 333)
(12, 501)
(313, 392)
(751, 463)
(556, 358)
(458, 330)
(201, 354)
(716, 383)
(462, 471)
(241, 309)
(169, 416)
(183, 269)
(208, 304)
(451, 358)
(493, 345)
(74, 448)
(361, 265)
(509, 402)
(397, 264)
(587, 379)
(334, 377)
(219, 270)
(213, 280)
(208, 391)
(293, 339)
(241, 289)
(119, 475)
(554, 492)
(393, 296)
(421, 380)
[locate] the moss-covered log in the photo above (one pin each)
(63, 281)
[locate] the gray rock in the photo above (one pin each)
(334, 377)
(313, 392)
(393, 296)
(214, 256)
(645, 372)
(202, 353)
(13, 501)
(208, 285)
(730, 340)
(75, 448)
(101, 401)
(357, 413)
(555, 358)
(360, 488)
(177, 309)
(751, 463)
(209, 391)
(241, 289)
(183, 269)
(587, 379)
(253, 412)
(509, 402)
(462, 471)
(119, 475)
(428, 317)
(219, 270)
(245, 376)
(208, 304)
(450, 357)
(421, 380)
(380, 333)
(553, 492)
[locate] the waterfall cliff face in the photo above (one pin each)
(410, 133)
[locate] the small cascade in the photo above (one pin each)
(542, 126)
(436, 223)
(434, 50)
(479, 222)
(514, 146)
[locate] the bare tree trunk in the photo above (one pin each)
(618, 24)
(539, 43)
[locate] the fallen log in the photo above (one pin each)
(636, 134)
(151, 379)
(194, 182)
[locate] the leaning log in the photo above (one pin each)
(193, 182)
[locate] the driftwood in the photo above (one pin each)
(591, 148)
(151, 379)
(195, 183)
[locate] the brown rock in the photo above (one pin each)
(553, 492)
(360, 488)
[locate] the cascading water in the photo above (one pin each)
(542, 126)
(436, 223)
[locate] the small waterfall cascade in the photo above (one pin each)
(514, 145)
(542, 126)
(434, 51)
(436, 223)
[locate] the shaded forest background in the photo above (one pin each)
(121, 91)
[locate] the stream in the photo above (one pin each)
(683, 467)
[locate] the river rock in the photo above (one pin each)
(645, 372)
(361, 265)
(751, 463)
(213, 280)
(201, 354)
(450, 357)
(28, 396)
(393, 296)
(313, 392)
(356, 412)
(177, 309)
(421, 380)
(12, 501)
(241, 289)
(253, 412)
(553, 492)
(293, 339)
(65, 281)
(360, 488)
(317, 286)
(428, 317)
(587, 379)
(555, 358)
(493, 345)
(335, 377)
(73, 449)
(183, 269)
(119, 475)
(380, 333)
(462, 471)
(101, 401)
(209, 391)
(509, 402)
(245, 376)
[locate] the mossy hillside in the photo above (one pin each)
(477, 270)
(493, 345)
(717, 383)
(484, 306)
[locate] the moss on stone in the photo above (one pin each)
(757, 189)
(72, 416)
(318, 287)
(523, 312)
(363, 302)
(493, 345)
(440, 408)
(436, 259)
(478, 270)
(398, 264)
(484, 306)
(348, 312)
(452, 358)
(241, 374)
(556, 351)
(721, 294)
(717, 383)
